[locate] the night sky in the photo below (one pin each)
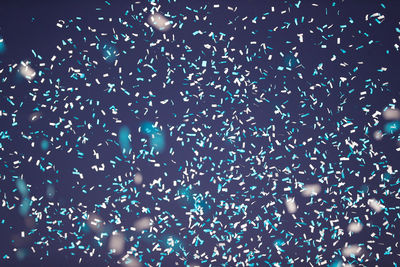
(200, 133)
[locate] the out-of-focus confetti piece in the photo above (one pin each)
(27, 71)
(155, 134)
(375, 205)
(35, 116)
(138, 178)
(355, 227)
(311, 190)
(378, 135)
(95, 222)
(159, 22)
(142, 224)
(391, 114)
(124, 139)
(22, 188)
(291, 205)
(117, 243)
(352, 250)
(29, 222)
(21, 254)
(131, 262)
(50, 191)
(44, 144)
(392, 127)
(24, 207)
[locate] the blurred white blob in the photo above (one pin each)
(116, 243)
(375, 204)
(159, 22)
(391, 114)
(378, 135)
(355, 227)
(35, 116)
(347, 265)
(291, 205)
(351, 250)
(194, 264)
(131, 262)
(142, 224)
(26, 71)
(95, 222)
(311, 190)
(138, 179)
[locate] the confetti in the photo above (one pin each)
(2, 45)
(26, 71)
(142, 224)
(311, 190)
(378, 135)
(138, 178)
(132, 262)
(157, 133)
(125, 139)
(291, 205)
(159, 22)
(355, 227)
(391, 114)
(116, 243)
(352, 250)
(375, 205)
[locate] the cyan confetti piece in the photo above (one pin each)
(124, 139)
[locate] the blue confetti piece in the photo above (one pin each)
(44, 145)
(124, 140)
(22, 187)
(392, 127)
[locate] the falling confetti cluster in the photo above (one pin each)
(181, 133)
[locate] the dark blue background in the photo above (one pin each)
(27, 25)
